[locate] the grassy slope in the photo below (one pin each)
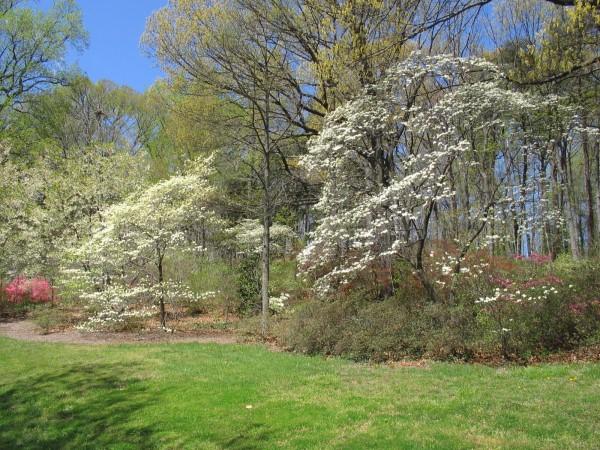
(195, 396)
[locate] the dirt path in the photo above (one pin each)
(25, 330)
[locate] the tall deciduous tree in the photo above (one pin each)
(33, 45)
(228, 51)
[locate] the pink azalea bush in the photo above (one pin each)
(35, 290)
(16, 290)
(535, 258)
(40, 290)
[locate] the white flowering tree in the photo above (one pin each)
(397, 161)
(15, 209)
(126, 255)
(247, 237)
(55, 204)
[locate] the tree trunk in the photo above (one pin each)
(428, 286)
(523, 232)
(558, 203)
(453, 206)
(589, 194)
(266, 244)
(420, 268)
(544, 231)
(597, 164)
(266, 265)
(568, 201)
(161, 300)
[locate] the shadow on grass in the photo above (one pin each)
(79, 406)
(254, 436)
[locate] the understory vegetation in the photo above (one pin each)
(380, 180)
(536, 310)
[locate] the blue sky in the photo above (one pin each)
(114, 53)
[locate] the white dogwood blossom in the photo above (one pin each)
(126, 254)
(279, 303)
(55, 204)
(389, 160)
(247, 237)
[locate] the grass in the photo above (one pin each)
(196, 396)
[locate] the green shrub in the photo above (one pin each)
(315, 327)
(249, 284)
(450, 331)
(50, 317)
(283, 276)
(381, 330)
(13, 310)
(542, 308)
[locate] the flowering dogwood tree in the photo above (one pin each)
(56, 203)
(395, 163)
(126, 255)
(21, 218)
(247, 237)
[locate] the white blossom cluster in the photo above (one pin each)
(415, 121)
(56, 202)
(446, 264)
(115, 305)
(533, 294)
(278, 303)
(124, 256)
(247, 237)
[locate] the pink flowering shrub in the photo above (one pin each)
(16, 290)
(520, 305)
(501, 281)
(40, 290)
(35, 290)
(578, 308)
(535, 258)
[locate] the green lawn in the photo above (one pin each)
(196, 396)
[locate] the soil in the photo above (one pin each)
(26, 330)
